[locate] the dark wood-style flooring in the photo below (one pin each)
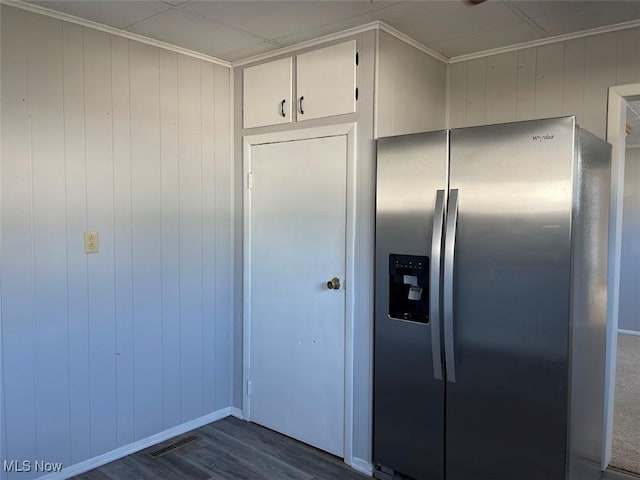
(230, 449)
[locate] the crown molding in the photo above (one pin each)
(377, 25)
(113, 31)
(546, 41)
(410, 41)
(306, 44)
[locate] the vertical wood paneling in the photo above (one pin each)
(51, 378)
(565, 78)
(78, 302)
(147, 235)
(170, 236)
(502, 82)
(190, 118)
(573, 72)
(458, 94)
(549, 72)
(99, 147)
(123, 239)
(628, 45)
(476, 91)
(600, 72)
(414, 101)
(209, 236)
(526, 92)
(103, 133)
(224, 246)
(18, 321)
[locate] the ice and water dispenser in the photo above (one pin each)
(409, 288)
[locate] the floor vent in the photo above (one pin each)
(158, 452)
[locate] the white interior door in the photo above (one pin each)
(297, 338)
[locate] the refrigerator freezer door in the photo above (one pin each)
(507, 410)
(408, 398)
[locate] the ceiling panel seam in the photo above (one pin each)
(376, 25)
(233, 27)
(545, 41)
(526, 18)
(169, 9)
(114, 31)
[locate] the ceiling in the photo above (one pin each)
(234, 30)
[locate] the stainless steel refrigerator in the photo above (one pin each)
(490, 310)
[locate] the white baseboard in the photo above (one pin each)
(134, 447)
(361, 466)
(629, 332)
(237, 412)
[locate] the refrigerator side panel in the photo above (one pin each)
(408, 399)
(507, 410)
(590, 227)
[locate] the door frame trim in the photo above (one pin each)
(616, 119)
(348, 129)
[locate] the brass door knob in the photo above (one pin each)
(334, 284)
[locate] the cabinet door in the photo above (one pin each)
(267, 93)
(327, 81)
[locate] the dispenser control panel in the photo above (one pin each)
(409, 288)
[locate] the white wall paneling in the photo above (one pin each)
(208, 200)
(457, 95)
(476, 91)
(627, 49)
(549, 81)
(600, 74)
(501, 83)
(170, 204)
(562, 78)
(45, 98)
(101, 269)
(410, 90)
(122, 240)
(526, 86)
(146, 235)
(224, 228)
(105, 133)
(190, 238)
(76, 221)
(573, 77)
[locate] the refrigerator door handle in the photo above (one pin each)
(434, 281)
(449, 247)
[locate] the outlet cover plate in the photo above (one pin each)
(91, 242)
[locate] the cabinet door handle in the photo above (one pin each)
(282, 109)
(300, 105)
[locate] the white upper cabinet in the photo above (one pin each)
(267, 93)
(326, 83)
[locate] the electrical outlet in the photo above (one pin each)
(90, 242)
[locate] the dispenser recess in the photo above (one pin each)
(409, 288)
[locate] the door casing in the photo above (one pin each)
(616, 119)
(348, 129)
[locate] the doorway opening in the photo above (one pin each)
(622, 415)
